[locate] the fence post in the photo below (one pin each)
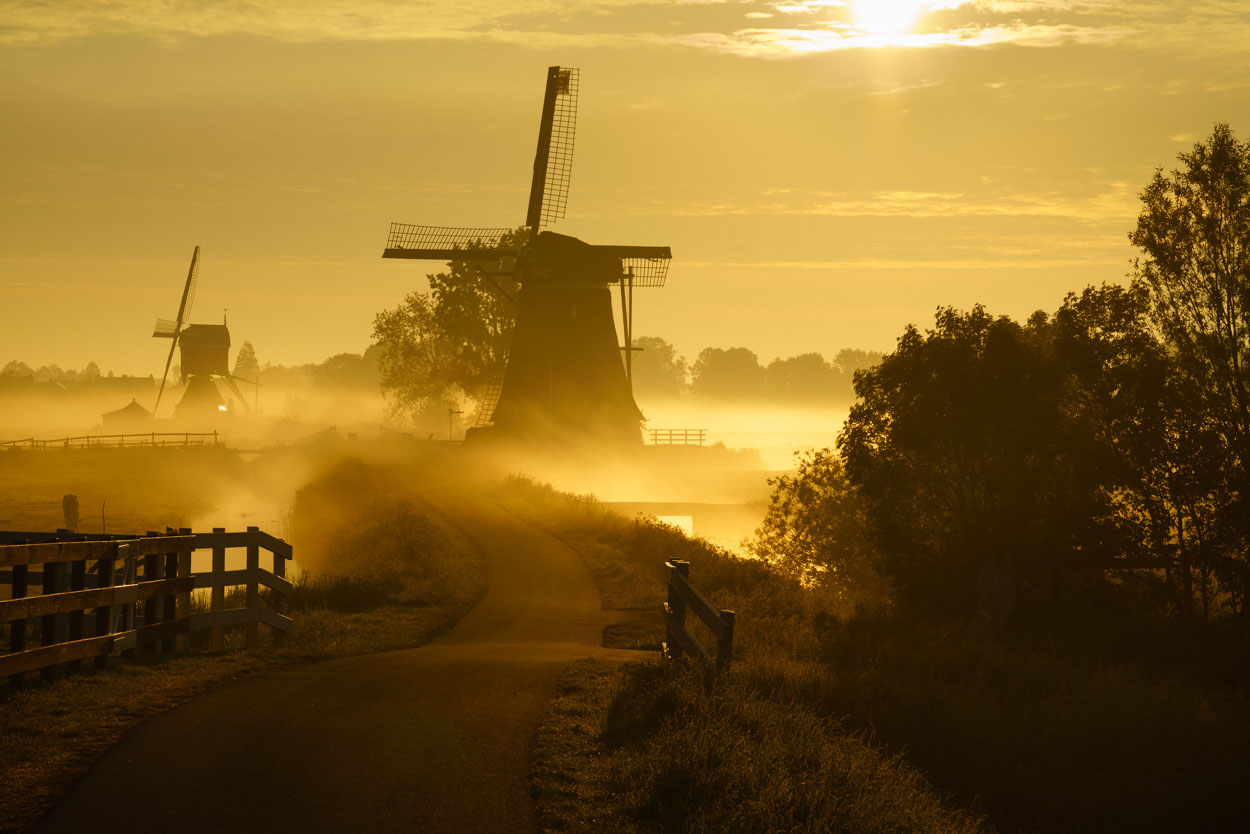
(183, 606)
(169, 605)
(104, 614)
(77, 582)
(217, 602)
(676, 605)
(151, 571)
(47, 623)
(725, 645)
(279, 599)
(252, 631)
(17, 628)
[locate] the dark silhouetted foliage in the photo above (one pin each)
(659, 373)
(727, 374)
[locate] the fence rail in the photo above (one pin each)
(677, 437)
(683, 596)
(100, 596)
(117, 441)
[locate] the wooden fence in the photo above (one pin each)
(117, 441)
(677, 437)
(104, 595)
(682, 596)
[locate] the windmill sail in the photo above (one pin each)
(553, 163)
(163, 326)
(447, 243)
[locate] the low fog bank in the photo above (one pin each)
(778, 433)
(718, 491)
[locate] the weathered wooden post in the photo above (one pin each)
(676, 605)
(104, 613)
(725, 643)
(77, 582)
(279, 598)
(217, 602)
(169, 604)
(252, 631)
(151, 572)
(183, 605)
(17, 628)
(47, 623)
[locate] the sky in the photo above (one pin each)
(825, 171)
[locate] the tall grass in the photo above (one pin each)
(1098, 724)
(366, 539)
(689, 752)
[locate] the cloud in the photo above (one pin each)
(1106, 202)
(812, 26)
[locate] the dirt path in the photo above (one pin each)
(424, 740)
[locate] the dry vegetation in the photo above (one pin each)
(667, 748)
(1079, 728)
(394, 575)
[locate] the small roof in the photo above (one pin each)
(131, 410)
(205, 335)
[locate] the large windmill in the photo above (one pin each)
(565, 376)
(205, 354)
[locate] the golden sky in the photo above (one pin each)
(825, 171)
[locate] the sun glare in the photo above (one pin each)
(886, 18)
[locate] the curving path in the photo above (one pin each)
(429, 739)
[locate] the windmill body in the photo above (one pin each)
(566, 377)
(205, 356)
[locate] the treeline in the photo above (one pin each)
(1001, 466)
(736, 375)
(16, 373)
(355, 371)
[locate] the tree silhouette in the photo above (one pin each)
(659, 373)
(727, 374)
(246, 365)
(450, 341)
(1194, 231)
(803, 378)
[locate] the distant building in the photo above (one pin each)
(130, 418)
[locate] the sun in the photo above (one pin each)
(887, 18)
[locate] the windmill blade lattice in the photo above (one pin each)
(171, 330)
(646, 272)
(560, 151)
(188, 292)
(446, 243)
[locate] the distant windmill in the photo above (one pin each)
(565, 374)
(205, 353)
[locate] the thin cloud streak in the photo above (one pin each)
(1118, 202)
(813, 26)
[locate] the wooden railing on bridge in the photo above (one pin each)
(126, 594)
(677, 437)
(682, 596)
(117, 441)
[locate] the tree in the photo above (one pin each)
(16, 369)
(659, 373)
(1194, 231)
(418, 357)
(349, 370)
(976, 479)
(817, 529)
(803, 378)
(246, 366)
(451, 341)
(850, 360)
(727, 374)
